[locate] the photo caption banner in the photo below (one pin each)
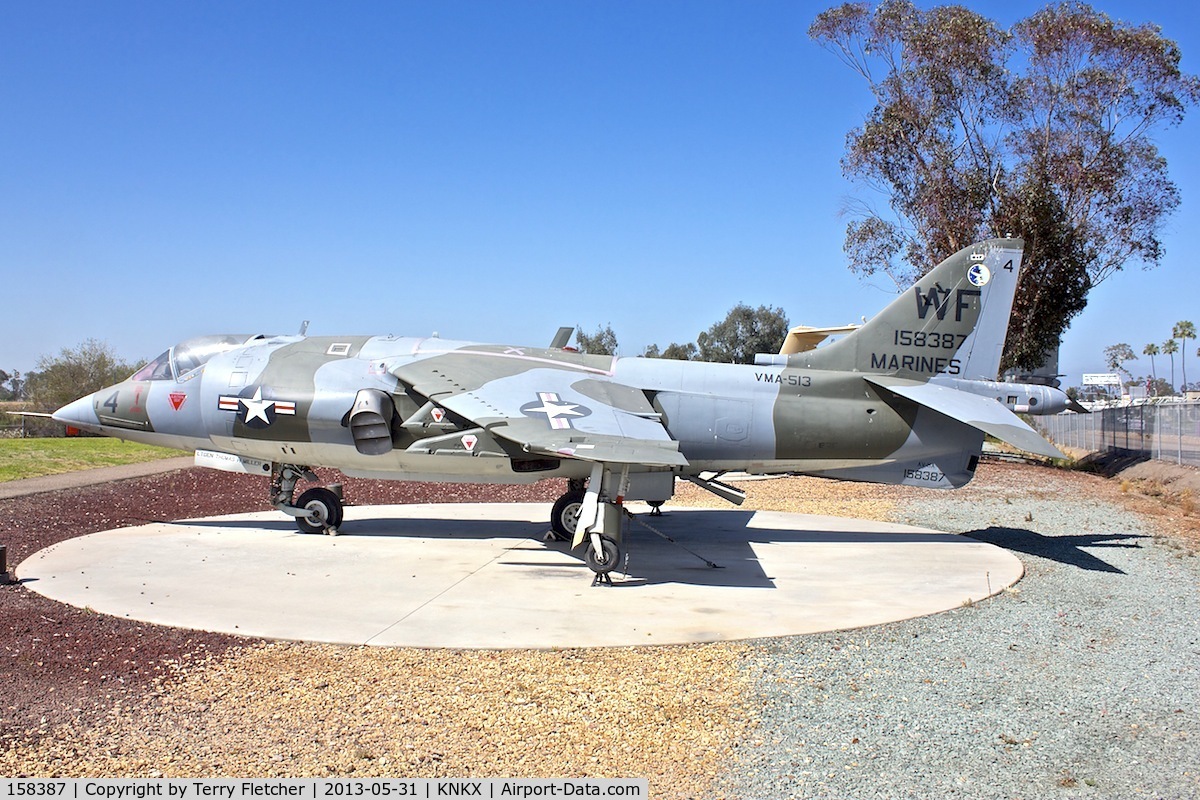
(317, 788)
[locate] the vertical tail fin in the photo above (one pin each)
(953, 321)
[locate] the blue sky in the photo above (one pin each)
(486, 170)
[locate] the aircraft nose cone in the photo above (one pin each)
(78, 414)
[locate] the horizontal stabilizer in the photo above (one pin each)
(981, 413)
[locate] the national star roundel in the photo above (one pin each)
(255, 411)
(558, 412)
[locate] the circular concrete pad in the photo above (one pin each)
(479, 575)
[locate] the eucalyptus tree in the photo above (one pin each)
(83, 369)
(1045, 131)
(602, 342)
(681, 352)
(676, 351)
(744, 332)
(1116, 355)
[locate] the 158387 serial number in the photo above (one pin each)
(37, 789)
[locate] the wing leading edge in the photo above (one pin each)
(982, 413)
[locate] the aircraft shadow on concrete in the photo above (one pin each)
(721, 537)
(1062, 549)
(726, 538)
(281, 525)
(406, 527)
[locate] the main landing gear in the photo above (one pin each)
(564, 517)
(319, 510)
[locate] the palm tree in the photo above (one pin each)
(1151, 350)
(1169, 348)
(1183, 331)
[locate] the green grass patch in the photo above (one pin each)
(32, 458)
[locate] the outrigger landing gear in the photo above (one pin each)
(602, 555)
(319, 510)
(593, 519)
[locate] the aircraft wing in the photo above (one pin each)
(982, 413)
(559, 411)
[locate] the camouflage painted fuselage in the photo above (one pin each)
(884, 404)
(288, 399)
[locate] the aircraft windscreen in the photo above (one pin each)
(159, 369)
(195, 353)
(187, 356)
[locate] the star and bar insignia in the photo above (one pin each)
(559, 413)
(259, 413)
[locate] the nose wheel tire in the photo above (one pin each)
(324, 511)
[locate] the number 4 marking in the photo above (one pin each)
(111, 403)
(1009, 266)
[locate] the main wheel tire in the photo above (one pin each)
(564, 517)
(608, 561)
(324, 510)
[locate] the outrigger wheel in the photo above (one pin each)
(324, 511)
(607, 561)
(564, 517)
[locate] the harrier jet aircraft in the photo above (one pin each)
(880, 405)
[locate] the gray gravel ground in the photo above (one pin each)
(1081, 681)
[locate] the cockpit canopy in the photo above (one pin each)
(190, 355)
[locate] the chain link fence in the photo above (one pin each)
(1165, 431)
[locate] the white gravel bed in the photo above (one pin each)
(1082, 681)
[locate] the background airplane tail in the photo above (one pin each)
(953, 321)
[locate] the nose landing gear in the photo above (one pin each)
(319, 510)
(324, 509)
